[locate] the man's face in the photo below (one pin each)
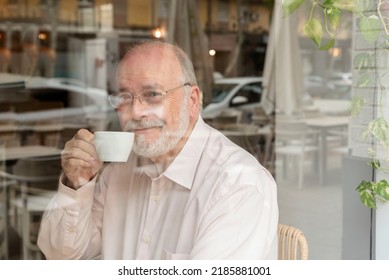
(157, 128)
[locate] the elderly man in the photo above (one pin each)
(199, 197)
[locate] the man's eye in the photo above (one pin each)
(124, 98)
(152, 94)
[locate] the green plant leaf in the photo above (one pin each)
(328, 3)
(371, 152)
(328, 45)
(364, 80)
(375, 163)
(370, 28)
(363, 186)
(357, 103)
(362, 62)
(363, 5)
(381, 190)
(379, 129)
(313, 30)
(289, 6)
(334, 16)
(366, 195)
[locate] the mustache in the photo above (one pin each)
(132, 125)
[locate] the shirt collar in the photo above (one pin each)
(183, 168)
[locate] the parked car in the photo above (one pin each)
(238, 93)
(80, 103)
(337, 86)
(315, 86)
(340, 79)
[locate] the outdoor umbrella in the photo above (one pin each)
(184, 29)
(283, 71)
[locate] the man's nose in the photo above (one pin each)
(138, 108)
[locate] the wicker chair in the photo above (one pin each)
(292, 244)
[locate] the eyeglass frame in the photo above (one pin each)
(141, 100)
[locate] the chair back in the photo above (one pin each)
(295, 129)
(259, 117)
(292, 243)
(42, 171)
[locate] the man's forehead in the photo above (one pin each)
(157, 57)
(155, 51)
(143, 62)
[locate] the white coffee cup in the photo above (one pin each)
(113, 146)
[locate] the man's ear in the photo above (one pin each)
(195, 100)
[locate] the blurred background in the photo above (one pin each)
(261, 78)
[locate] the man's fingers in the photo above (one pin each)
(75, 163)
(83, 152)
(84, 134)
(81, 146)
(79, 158)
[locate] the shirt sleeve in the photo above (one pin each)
(241, 224)
(71, 224)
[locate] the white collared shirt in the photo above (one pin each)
(214, 201)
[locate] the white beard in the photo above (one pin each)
(168, 139)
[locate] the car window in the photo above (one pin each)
(220, 91)
(252, 93)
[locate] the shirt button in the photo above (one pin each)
(156, 198)
(146, 240)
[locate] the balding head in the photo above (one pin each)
(149, 47)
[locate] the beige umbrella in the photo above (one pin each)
(184, 29)
(283, 72)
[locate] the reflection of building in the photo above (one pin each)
(5, 53)
(30, 50)
(122, 22)
(228, 23)
(16, 47)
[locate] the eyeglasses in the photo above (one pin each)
(150, 97)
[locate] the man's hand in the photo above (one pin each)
(79, 159)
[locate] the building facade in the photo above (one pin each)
(38, 33)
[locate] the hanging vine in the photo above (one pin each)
(372, 20)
